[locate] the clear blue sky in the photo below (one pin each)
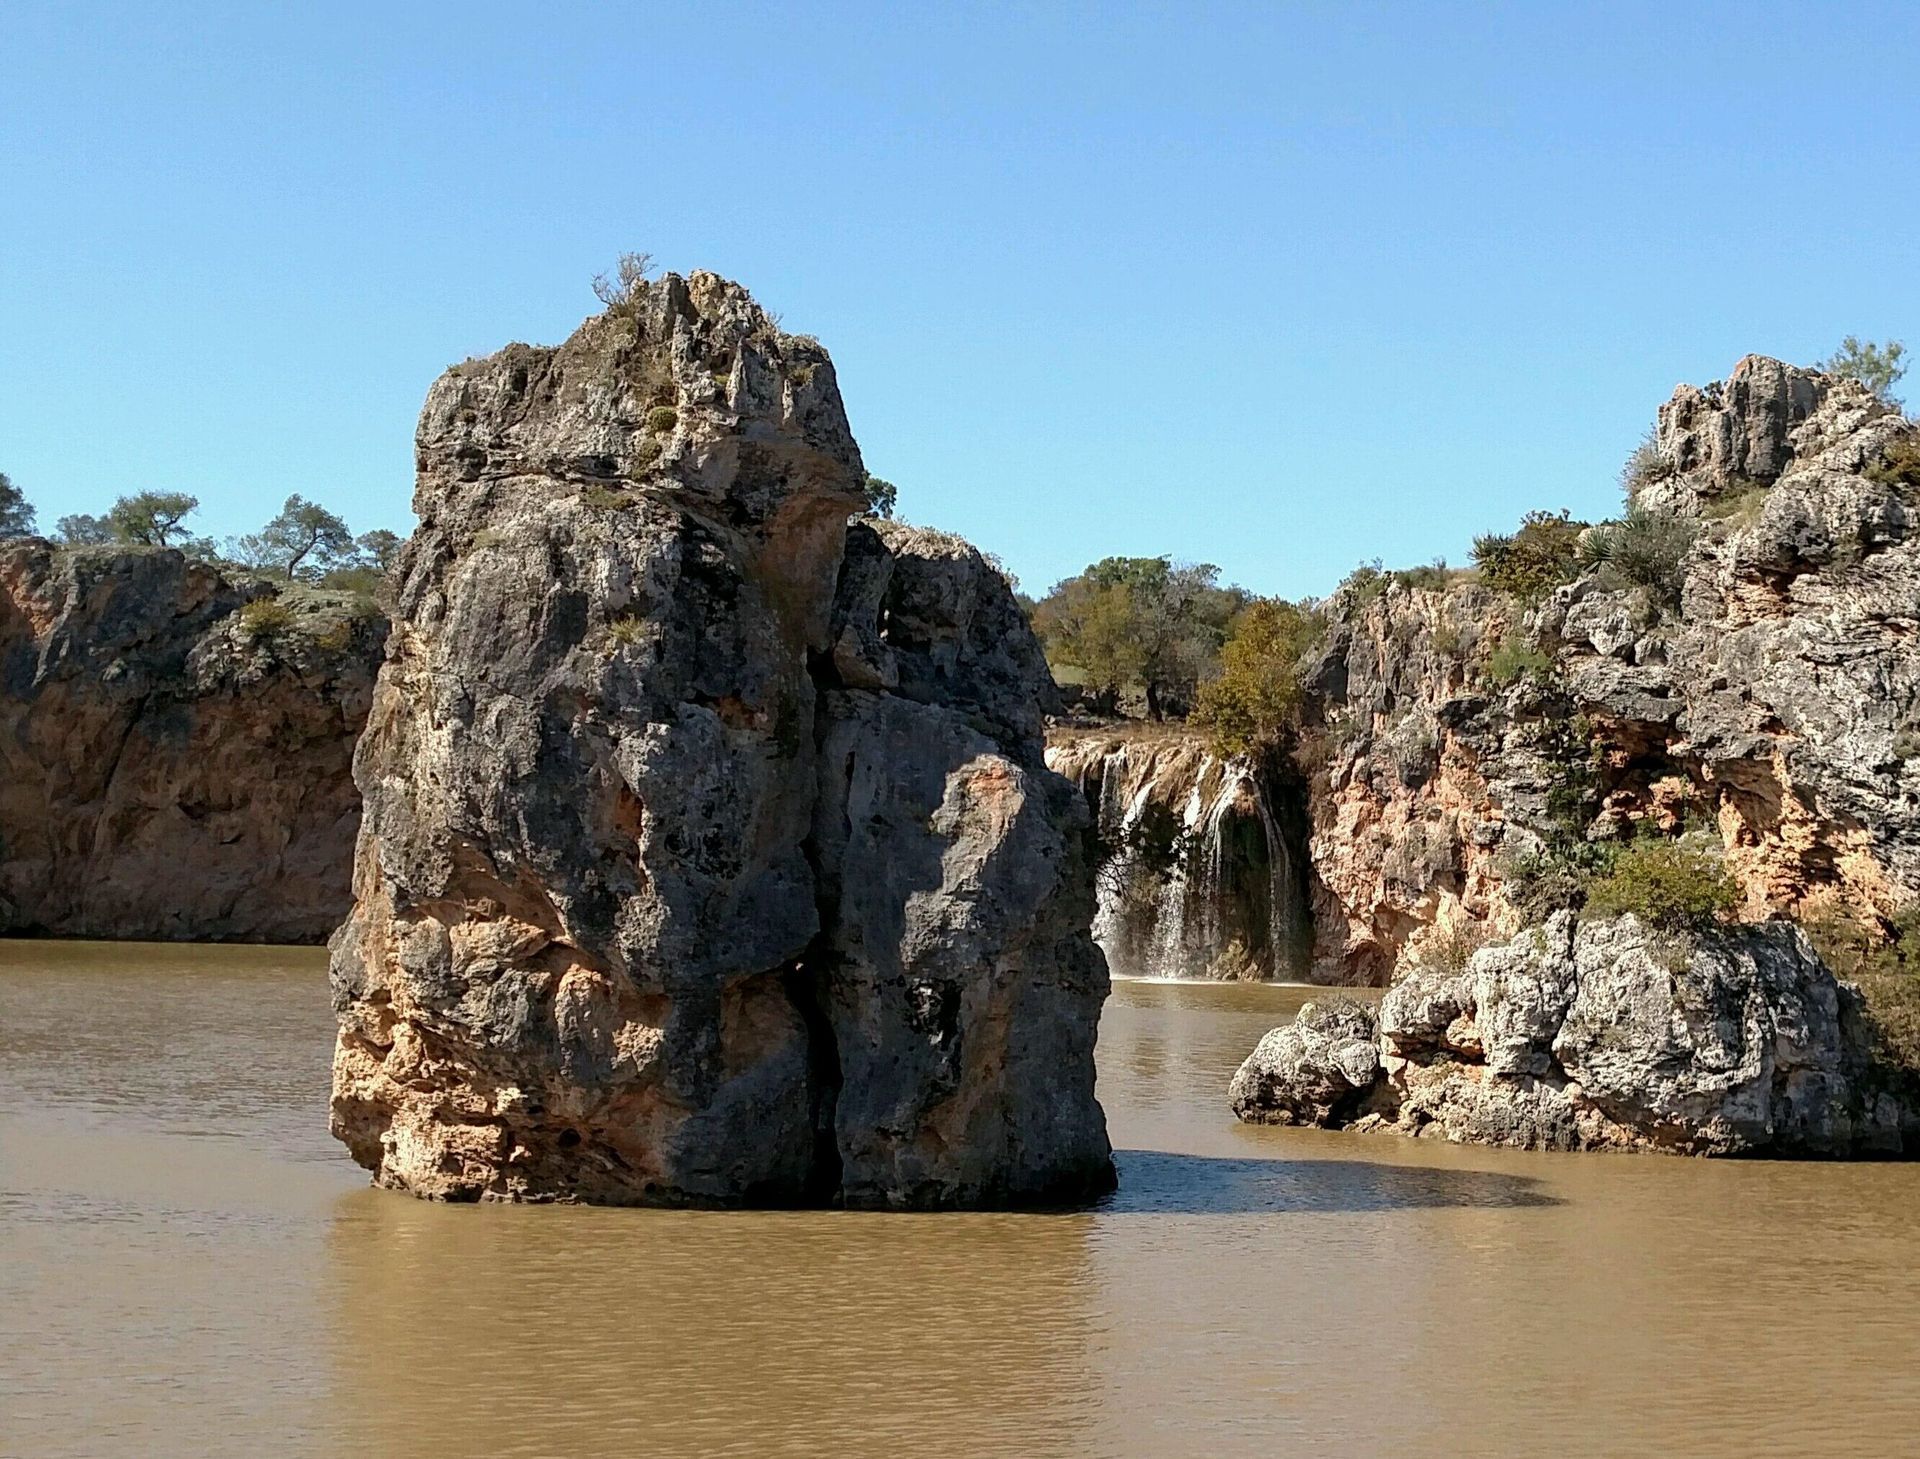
(1279, 287)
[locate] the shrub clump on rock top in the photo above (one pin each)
(265, 618)
(1534, 560)
(1666, 884)
(1899, 464)
(1644, 550)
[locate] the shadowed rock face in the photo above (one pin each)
(164, 773)
(709, 854)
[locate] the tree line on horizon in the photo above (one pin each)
(1229, 660)
(304, 542)
(1222, 656)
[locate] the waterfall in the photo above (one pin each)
(1233, 903)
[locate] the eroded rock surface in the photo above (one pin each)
(169, 769)
(1777, 697)
(1601, 1035)
(709, 855)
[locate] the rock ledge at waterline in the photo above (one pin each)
(1599, 1035)
(708, 854)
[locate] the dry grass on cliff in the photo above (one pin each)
(1884, 961)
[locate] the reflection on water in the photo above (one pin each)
(1160, 1182)
(192, 1268)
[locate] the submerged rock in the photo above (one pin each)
(709, 854)
(1603, 1035)
(175, 762)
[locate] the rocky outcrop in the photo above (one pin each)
(175, 747)
(1321, 1069)
(1775, 695)
(1202, 858)
(709, 855)
(1601, 1035)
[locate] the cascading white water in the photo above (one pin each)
(1231, 905)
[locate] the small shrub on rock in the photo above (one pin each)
(1451, 950)
(1665, 884)
(1366, 582)
(1646, 465)
(626, 631)
(623, 289)
(1739, 505)
(1515, 658)
(1644, 549)
(662, 418)
(264, 618)
(1533, 561)
(601, 497)
(1538, 884)
(1899, 464)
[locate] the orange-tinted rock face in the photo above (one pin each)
(1773, 700)
(163, 774)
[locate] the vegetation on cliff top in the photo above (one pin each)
(1876, 366)
(303, 543)
(1533, 560)
(1146, 623)
(1253, 703)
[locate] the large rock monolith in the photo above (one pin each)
(709, 856)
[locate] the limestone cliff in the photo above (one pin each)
(1775, 698)
(709, 856)
(174, 765)
(1770, 691)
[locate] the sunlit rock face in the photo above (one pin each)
(168, 770)
(709, 855)
(1774, 701)
(1605, 1034)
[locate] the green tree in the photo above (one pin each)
(365, 569)
(151, 518)
(882, 497)
(1145, 621)
(304, 541)
(1876, 366)
(16, 513)
(83, 529)
(379, 549)
(1253, 703)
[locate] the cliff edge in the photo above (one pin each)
(175, 747)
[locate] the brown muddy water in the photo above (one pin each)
(191, 1267)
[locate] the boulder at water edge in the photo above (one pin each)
(1604, 1035)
